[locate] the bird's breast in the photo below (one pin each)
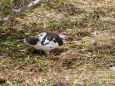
(47, 46)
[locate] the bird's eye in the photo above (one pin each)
(47, 43)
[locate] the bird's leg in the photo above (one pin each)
(48, 55)
(47, 52)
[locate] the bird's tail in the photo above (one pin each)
(20, 40)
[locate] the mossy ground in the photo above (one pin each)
(83, 60)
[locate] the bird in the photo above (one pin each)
(45, 41)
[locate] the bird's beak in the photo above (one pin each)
(21, 40)
(66, 34)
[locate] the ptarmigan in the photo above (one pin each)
(45, 41)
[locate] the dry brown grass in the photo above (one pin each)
(83, 60)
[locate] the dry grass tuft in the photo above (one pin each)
(83, 60)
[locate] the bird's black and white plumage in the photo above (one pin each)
(45, 41)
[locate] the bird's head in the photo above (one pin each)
(63, 35)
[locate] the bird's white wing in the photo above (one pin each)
(41, 36)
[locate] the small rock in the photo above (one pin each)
(59, 84)
(2, 81)
(112, 68)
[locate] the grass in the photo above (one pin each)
(83, 60)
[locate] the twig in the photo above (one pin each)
(20, 10)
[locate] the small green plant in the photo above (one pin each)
(99, 56)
